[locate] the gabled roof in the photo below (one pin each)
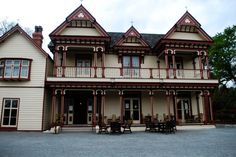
(17, 28)
(80, 14)
(151, 39)
(188, 20)
(132, 32)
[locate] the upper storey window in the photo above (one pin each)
(15, 69)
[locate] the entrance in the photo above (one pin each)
(132, 109)
(184, 110)
(78, 108)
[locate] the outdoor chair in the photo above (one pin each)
(115, 127)
(103, 128)
(147, 123)
(127, 126)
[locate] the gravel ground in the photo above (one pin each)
(220, 142)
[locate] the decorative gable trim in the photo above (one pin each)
(132, 32)
(80, 14)
(187, 20)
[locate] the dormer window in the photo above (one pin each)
(15, 69)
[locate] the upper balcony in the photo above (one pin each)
(130, 73)
(82, 65)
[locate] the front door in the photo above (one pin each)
(80, 110)
(132, 109)
(184, 110)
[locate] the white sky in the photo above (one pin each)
(148, 16)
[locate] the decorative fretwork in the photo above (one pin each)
(81, 24)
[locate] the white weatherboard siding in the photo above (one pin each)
(149, 62)
(19, 47)
(186, 36)
(80, 32)
(30, 106)
(112, 61)
(112, 104)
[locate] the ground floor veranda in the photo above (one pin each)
(74, 107)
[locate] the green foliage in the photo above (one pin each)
(222, 55)
(224, 104)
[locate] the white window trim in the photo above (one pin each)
(3, 112)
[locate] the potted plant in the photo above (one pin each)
(57, 124)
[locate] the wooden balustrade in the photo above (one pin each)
(128, 73)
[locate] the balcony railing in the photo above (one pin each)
(135, 73)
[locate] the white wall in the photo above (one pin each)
(30, 106)
(112, 104)
(30, 93)
(80, 32)
(187, 36)
(19, 47)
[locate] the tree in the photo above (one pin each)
(224, 104)
(6, 25)
(222, 56)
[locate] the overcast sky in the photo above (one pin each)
(148, 16)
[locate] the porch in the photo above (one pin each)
(88, 107)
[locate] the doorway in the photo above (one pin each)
(78, 107)
(132, 109)
(183, 110)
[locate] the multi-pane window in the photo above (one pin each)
(131, 65)
(83, 67)
(10, 111)
(14, 68)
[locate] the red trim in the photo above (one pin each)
(132, 32)
(20, 68)
(192, 21)
(80, 14)
(8, 128)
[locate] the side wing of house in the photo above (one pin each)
(22, 78)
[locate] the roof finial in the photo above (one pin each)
(186, 8)
(81, 1)
(132, 22)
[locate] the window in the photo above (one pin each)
(14, 68)
(131, 65)
(83, 67)
(10, 112)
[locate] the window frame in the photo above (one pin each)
(13, 67)
(131, 70)
(10, 112)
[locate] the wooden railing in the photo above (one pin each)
(134, 73)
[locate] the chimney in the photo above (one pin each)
(38, 36)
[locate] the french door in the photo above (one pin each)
(132, 109)
(131, 66)
(83, 67)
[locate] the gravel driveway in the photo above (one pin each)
(219, 142)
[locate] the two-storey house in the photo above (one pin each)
(22, 78)
(98, 75)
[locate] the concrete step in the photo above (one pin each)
(78, 129)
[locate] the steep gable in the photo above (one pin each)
(80, 23)
(187, 28)
(131, 38)
(19, 30)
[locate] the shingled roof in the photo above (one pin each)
(151, 39)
